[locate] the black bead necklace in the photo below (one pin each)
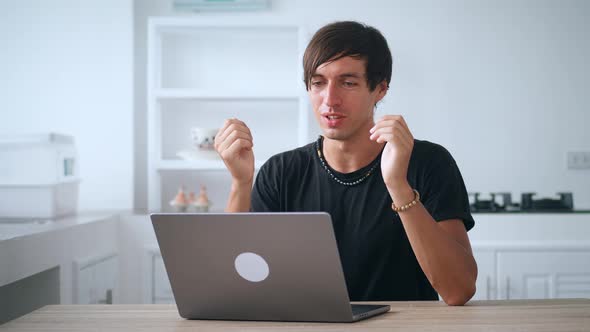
(319, 146)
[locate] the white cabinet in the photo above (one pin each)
(157, 288)
(531, 255)
(544, 274)
(486, 276)
(202, 71)
(521, 256)
(161, 285)
(504, 272)
(95, 280)
(533, 271)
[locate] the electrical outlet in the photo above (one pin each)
(578, 160)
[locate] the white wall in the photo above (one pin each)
(66, 66)
(502, 84)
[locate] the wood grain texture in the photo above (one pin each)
(517, 315)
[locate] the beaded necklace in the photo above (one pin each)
(319, 146)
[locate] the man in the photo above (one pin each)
(399, 205)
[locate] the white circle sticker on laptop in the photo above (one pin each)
(251, 267)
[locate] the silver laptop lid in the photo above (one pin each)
(254, 266)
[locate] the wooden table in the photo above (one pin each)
(516, 315)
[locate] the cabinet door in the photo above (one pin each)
(95, 280)
(161, 284)
(84, 278)
(105, 274)
(486, 276)
(544, 274)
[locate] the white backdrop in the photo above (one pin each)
(67, 66)
(502, 84)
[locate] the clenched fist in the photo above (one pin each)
(233, 143)
(393, 130)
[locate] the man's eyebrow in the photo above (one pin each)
(354, 75)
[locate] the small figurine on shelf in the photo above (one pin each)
(202, 203)
(191, 199)
(179, 203)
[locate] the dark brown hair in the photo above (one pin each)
(349, 38)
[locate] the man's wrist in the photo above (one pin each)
(401, 193)
(241, 185)
(239, 197)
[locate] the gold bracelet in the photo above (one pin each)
(409, 205)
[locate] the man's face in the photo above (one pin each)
(341, 99)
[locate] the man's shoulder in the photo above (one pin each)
(291, 157)
(429, 151)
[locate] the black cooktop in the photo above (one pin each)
(501, 202)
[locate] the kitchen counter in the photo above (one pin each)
(27, 248)
(11, 228)
(526, 315)
(41, 261)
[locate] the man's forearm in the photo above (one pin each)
(448, 265)
(239, 197)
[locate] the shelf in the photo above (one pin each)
(201, 71)
(199, 165)
(224, 94)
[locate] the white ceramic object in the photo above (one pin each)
(203, 138)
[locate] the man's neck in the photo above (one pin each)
(346, 156)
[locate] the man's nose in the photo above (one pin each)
(331, 95)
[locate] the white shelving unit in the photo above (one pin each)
(202, 71)
(179, 165)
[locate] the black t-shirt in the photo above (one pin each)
(378, 261)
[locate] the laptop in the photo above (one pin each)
(256, 266)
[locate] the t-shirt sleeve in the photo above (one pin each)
(444, 194)
(265, 193)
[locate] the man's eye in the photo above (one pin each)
(349, 84)
(316, 83)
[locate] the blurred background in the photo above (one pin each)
(106, 108)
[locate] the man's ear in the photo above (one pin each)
(381, 90)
